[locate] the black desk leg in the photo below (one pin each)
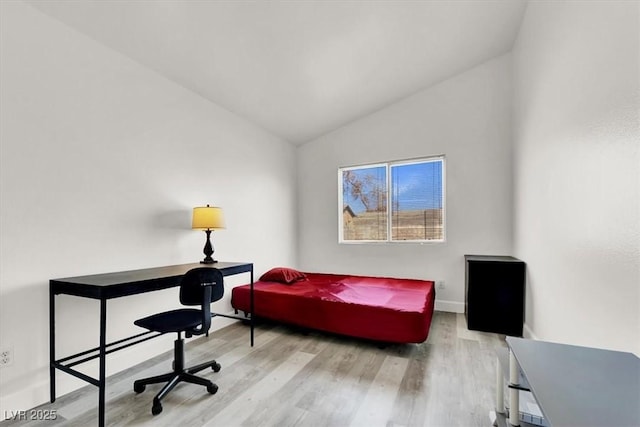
(103, 344)
(52, 345)
(251, 307)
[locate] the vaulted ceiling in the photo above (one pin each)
(299, 69)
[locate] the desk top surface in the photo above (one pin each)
(111, 285)
(581, 386)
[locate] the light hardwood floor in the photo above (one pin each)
(291, 378)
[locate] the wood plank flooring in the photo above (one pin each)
(291, 378)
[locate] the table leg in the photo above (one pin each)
(52, 346)
(499, 387)
(514, 393)
(102, 379)
(251, 307)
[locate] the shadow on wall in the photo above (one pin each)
(172, 220)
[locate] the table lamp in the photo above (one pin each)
(207, 218)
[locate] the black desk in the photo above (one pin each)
(114, 285)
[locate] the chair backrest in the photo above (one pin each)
(202, 286)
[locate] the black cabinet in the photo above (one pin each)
(494, 294)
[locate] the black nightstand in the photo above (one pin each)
(494, 294)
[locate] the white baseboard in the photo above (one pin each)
(450, 306)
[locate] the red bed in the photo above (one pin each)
(375, 308)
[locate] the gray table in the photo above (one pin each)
(580, 386)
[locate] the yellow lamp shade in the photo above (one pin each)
(207, 218)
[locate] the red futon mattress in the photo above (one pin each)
(375, 308)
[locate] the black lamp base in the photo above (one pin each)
(208, 250)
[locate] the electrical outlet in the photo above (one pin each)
(440, 284)
(6, 357)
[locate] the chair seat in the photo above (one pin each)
(183, 319)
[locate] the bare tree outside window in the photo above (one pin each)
(365, 190)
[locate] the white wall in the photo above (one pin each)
(467, 118)
(577, 171)
(102, 161)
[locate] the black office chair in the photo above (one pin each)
(199, 286)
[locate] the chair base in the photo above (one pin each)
(179, 374)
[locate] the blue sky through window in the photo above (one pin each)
(415, 186)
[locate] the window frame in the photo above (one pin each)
(388, 165)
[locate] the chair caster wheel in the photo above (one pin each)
(216, 367)
(156, 408)
(138, 388)
(213, 389)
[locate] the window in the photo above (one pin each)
(394, 201)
